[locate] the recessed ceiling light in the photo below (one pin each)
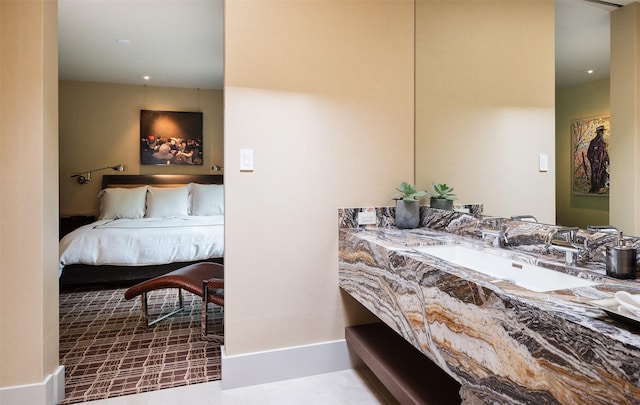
(123, 41)
(145, 77)
(590, 71)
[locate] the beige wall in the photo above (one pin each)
(485, 102)
(322, 91)
(584, 101)
(624, 198)
(100, 126)
(28, 192)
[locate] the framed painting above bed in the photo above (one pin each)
(170, 138)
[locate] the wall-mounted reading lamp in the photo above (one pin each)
(84, 177)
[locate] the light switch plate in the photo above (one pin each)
(544, 163)
(246, 160)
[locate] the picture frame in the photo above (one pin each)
(170, 138)
(590, 156)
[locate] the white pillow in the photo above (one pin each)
(163, 202)
(122, 202)
(206, 199)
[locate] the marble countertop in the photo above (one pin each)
(501, 341)
(572, 304)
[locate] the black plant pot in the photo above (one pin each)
(407, 214)
(441, 203)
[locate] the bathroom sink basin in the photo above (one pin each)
(529, 276)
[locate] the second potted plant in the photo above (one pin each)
(407, 205)
(442, 196)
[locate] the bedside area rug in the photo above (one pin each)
(108, 351)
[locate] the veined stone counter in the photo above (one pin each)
(503, 343)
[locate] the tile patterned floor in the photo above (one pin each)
(108, 351)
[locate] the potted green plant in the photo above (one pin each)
(442, 196)
(407, 205)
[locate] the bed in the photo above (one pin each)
(148, 225)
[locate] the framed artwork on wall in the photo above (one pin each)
(590, 148)
(170, 138)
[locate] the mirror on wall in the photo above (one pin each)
(583, 93)
(486, 105)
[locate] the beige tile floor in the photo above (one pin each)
(353, 387)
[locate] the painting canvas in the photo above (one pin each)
(590, 147)
(170, 138)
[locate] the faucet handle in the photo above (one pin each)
(494, 222)
(571, 231)
(584, 253)
(603, 228)
(524, 218)
(610, 230)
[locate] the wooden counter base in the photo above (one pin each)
(408, 374)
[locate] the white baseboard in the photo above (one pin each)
(284, 364)
(49, 392)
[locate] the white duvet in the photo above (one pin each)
(144, 241)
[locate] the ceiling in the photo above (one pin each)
(179, 43)
(582, 40)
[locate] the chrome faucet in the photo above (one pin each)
(608, 229)
(492, 226)
(572, 250)
(524, 218)
(604, 229)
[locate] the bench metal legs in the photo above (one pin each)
(203, 321)
(204, 324)
(145, 309)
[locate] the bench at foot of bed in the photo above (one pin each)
(205, 280)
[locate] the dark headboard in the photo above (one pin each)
(158, 180)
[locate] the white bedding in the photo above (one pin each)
(144, 241)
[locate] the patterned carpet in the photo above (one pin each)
(108, 351)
